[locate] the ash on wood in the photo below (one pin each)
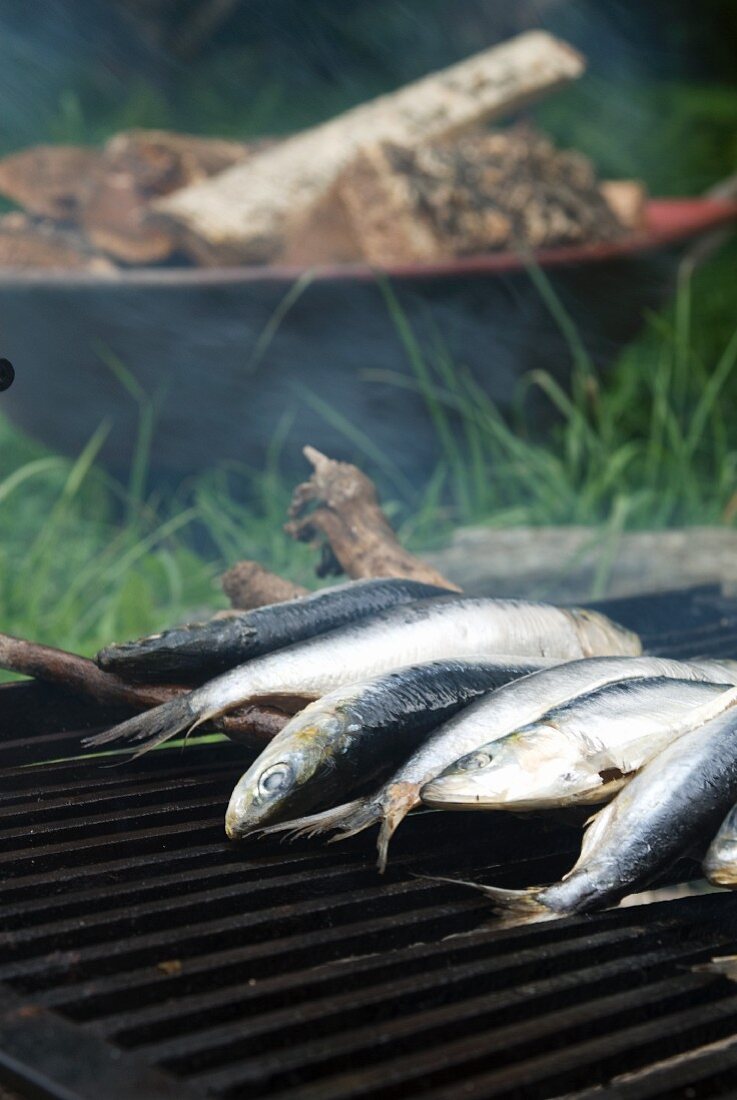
(482, 192)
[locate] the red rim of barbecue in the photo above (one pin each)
(668, 222)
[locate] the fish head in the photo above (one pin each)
(284, 781)
(535, 767)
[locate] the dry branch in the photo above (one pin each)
(240, 215)
(82, 677)
(247, 584)
(339, 504)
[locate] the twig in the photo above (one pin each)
(339, 504)
(247, 584)
(82, 677)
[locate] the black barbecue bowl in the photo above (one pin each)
(228, 357)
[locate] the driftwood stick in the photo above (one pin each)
(339, 505)
(82, 677)
(247, 584)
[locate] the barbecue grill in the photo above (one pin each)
(142, 955)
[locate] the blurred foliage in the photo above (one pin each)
(659, 101)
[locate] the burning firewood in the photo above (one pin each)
(239, 216)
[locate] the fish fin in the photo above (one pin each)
(397, 801)
(152, 727)
(594, 828)
(314, 824)
(523, 902)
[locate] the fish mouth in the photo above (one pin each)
(236, 826)
(241, 817)
(447, 793)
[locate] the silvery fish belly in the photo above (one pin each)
(675, 802)
(581, 752)
(199, 651)
(425, 630)
(355, 733)
(498, 714)
(720, 863)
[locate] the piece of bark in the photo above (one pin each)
(50, 181)
(25, 243)
(627, 199)
(340, 504)
(247, 584)
(239, 216)
(81, 676)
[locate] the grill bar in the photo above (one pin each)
(142, 955)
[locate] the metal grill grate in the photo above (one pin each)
(141, 955)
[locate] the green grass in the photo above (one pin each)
(85, 559)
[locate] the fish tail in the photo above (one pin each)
(315, 824)
(150, 728)
(513, 902)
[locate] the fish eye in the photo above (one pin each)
(274, 779)
(476, 760)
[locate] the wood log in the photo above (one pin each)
(50, 181)
(339, 504)
(25, 243)
(380, 201)
(239, 215)
(161, 161)
(81, 676)
(114, 219)
(137, 166)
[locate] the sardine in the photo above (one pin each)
(349, 735)
(584, 751)
(675, 802)
(201, 650)
(442, 628)
(520, 703)
(720, 862)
